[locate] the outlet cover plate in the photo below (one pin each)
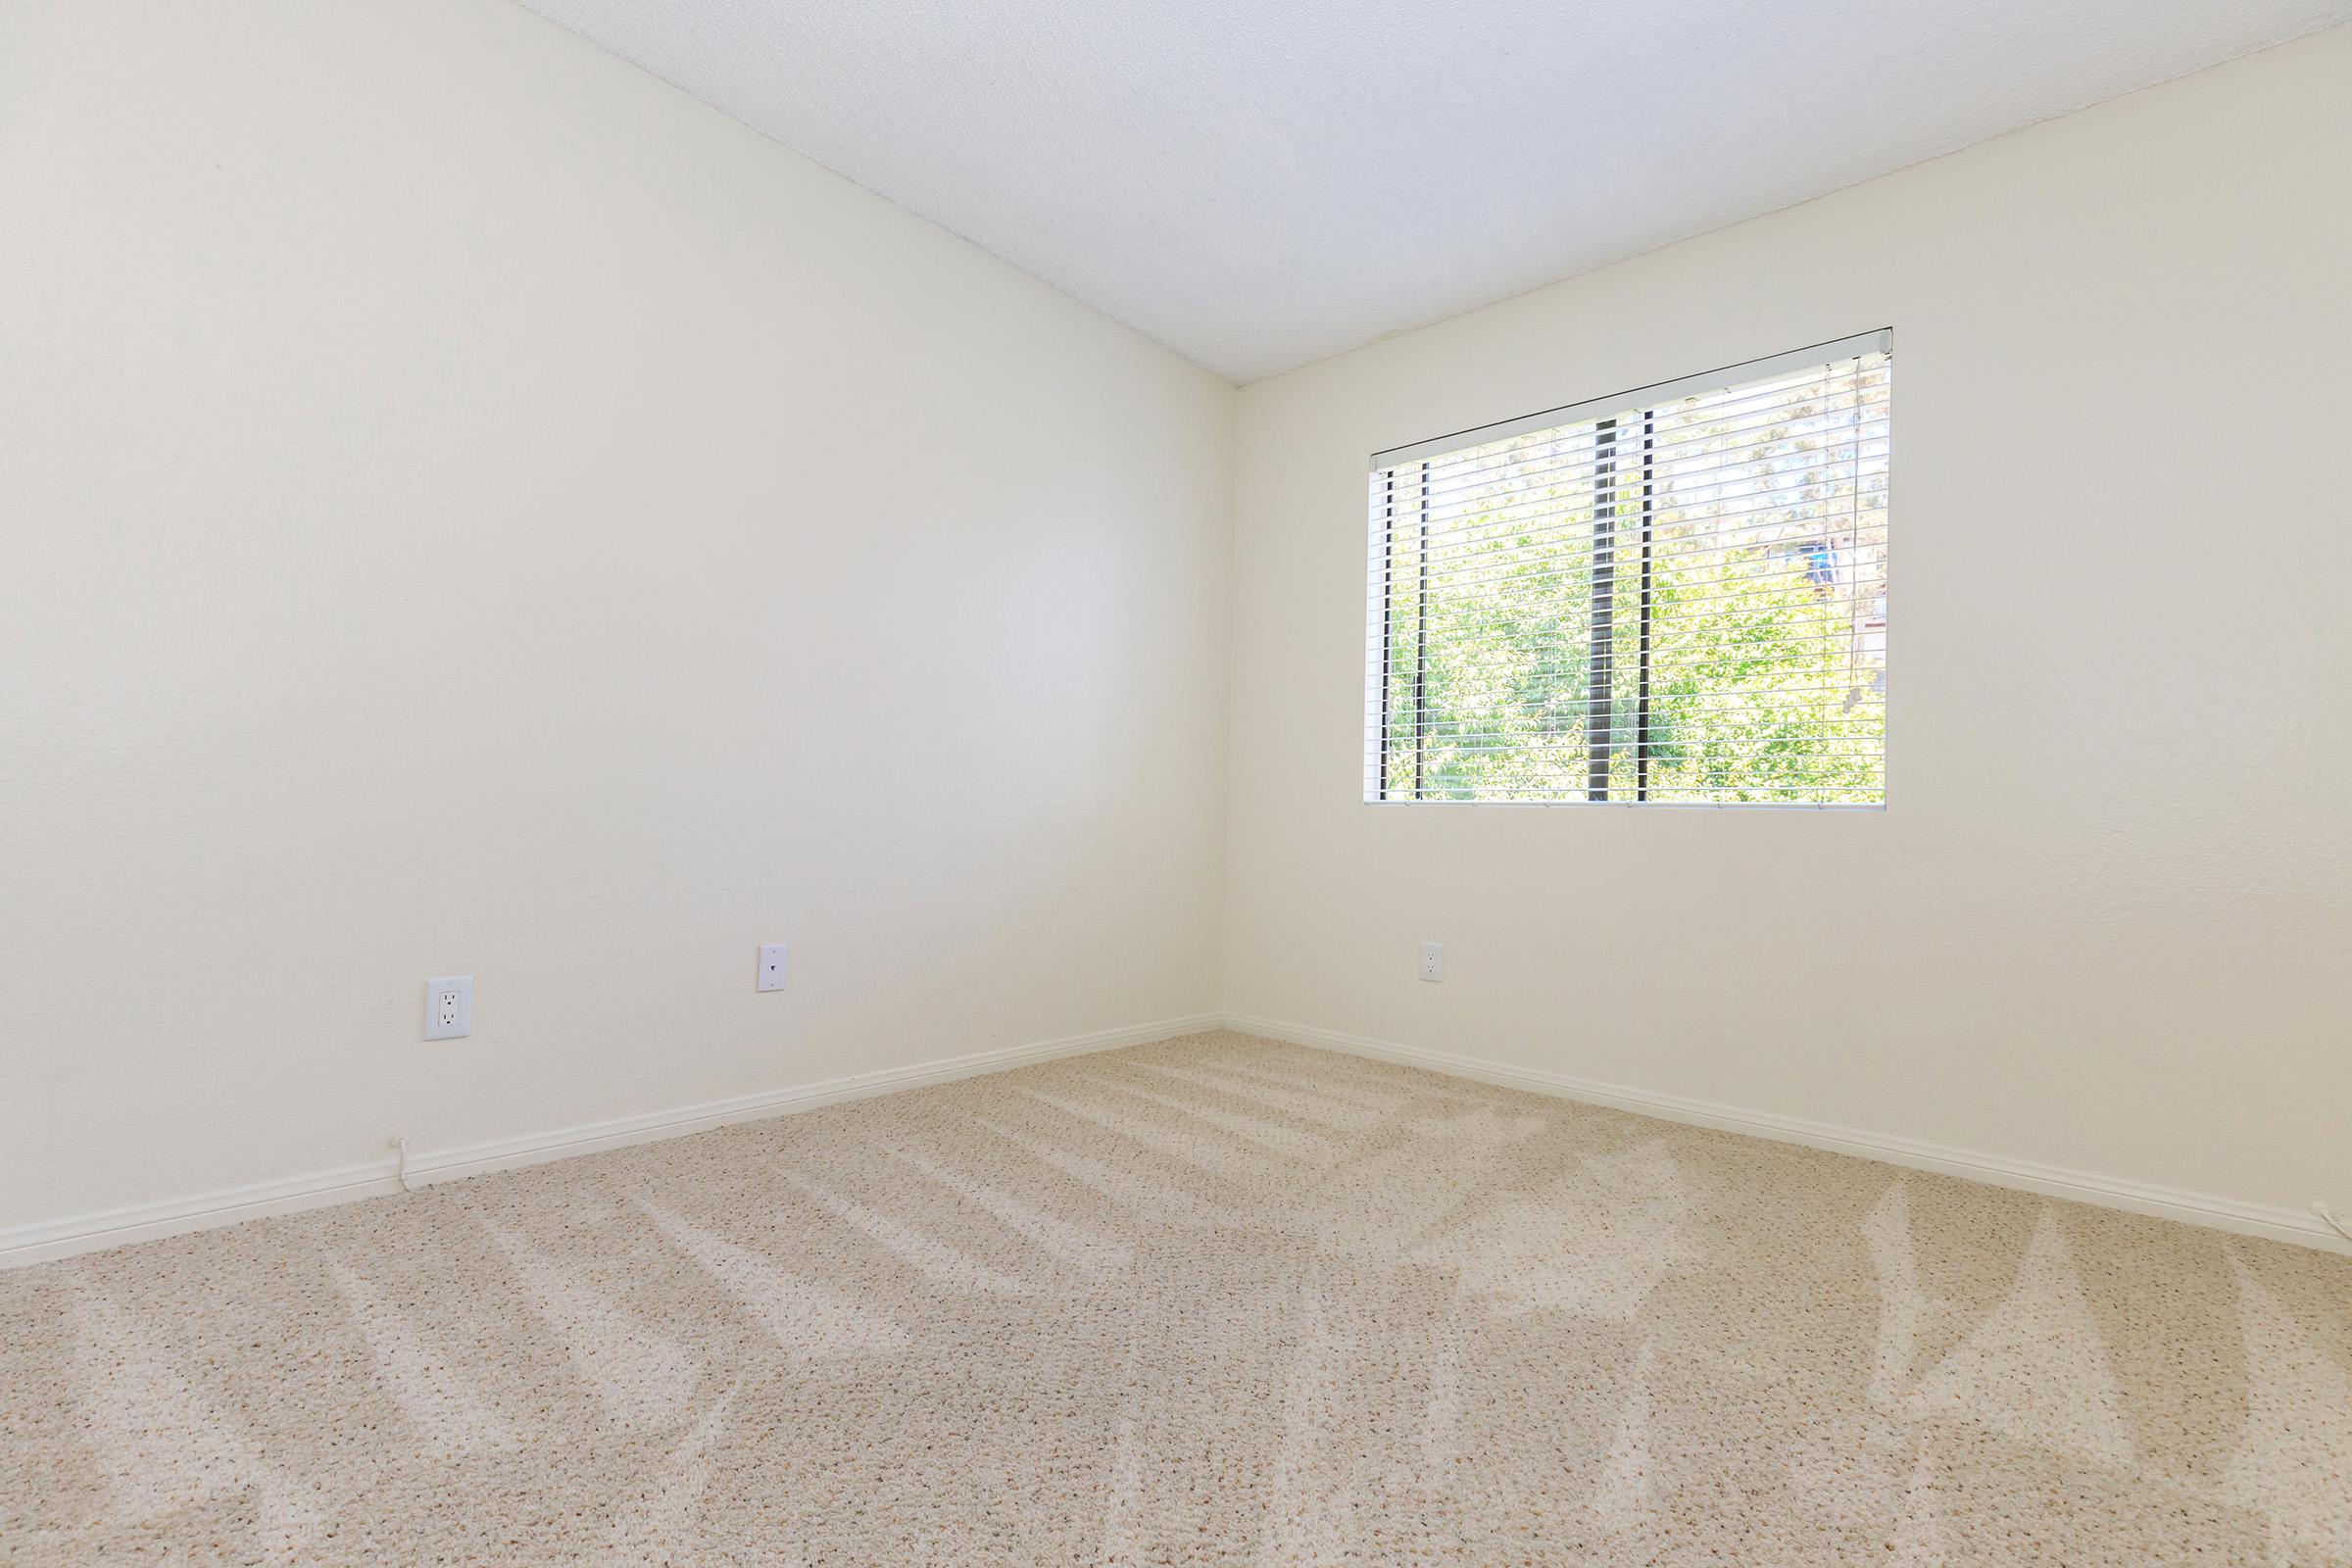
(1433, 960)
(449, 1006)
(771, 966)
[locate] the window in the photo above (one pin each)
(1675, 596)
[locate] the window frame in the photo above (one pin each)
(1603, 413)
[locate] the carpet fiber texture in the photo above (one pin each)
(1214, 1300)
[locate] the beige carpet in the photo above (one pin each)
(1210, 1301)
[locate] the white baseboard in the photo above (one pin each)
(37, 1242)
(40, 1242)
(2081, 1187)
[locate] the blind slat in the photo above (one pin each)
(1446, 479)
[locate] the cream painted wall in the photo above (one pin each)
(2103, 923)
(379, 376)
(392, 379)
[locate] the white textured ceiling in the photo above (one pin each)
(1257, 183)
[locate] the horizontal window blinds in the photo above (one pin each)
(1673, 596)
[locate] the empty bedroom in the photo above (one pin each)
(1019, 784)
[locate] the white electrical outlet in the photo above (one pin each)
(449, 1006)
(771, 966)
(1433, 960)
